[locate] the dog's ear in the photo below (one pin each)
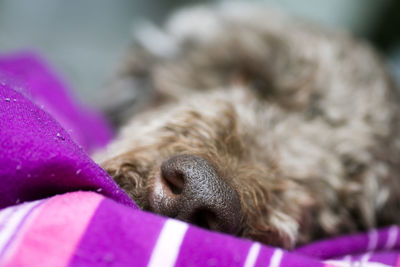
(262, 59)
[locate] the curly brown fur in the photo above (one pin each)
(302, 122)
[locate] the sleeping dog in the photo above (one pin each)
(258, 125)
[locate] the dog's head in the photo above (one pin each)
(208, 158)
(234, 138)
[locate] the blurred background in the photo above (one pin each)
(84, 40)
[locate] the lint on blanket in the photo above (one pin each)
(58, 208)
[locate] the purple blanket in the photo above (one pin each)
(58, 208)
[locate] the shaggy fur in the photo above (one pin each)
(302, 122)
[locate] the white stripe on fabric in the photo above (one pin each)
(168, 244)
(345, 262)
(252, 255)
(339, 263)
(365, 258)
(276, 258)
(392, 237)
(5, 215)
(372, 240)
(13, 221)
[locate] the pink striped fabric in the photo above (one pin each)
(87, 229)
(12, 222)
(55, 229)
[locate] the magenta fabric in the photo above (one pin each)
(45, 136)
(117, 235)
(26, 73)
(47, 176)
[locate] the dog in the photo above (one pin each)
(258, 125)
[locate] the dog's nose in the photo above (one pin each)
(189, 188)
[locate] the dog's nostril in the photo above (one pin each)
(205, 218)
(174, 180)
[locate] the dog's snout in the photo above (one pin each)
(189, 188)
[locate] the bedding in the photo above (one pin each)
(58, 208)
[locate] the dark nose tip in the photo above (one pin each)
(188, 188)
